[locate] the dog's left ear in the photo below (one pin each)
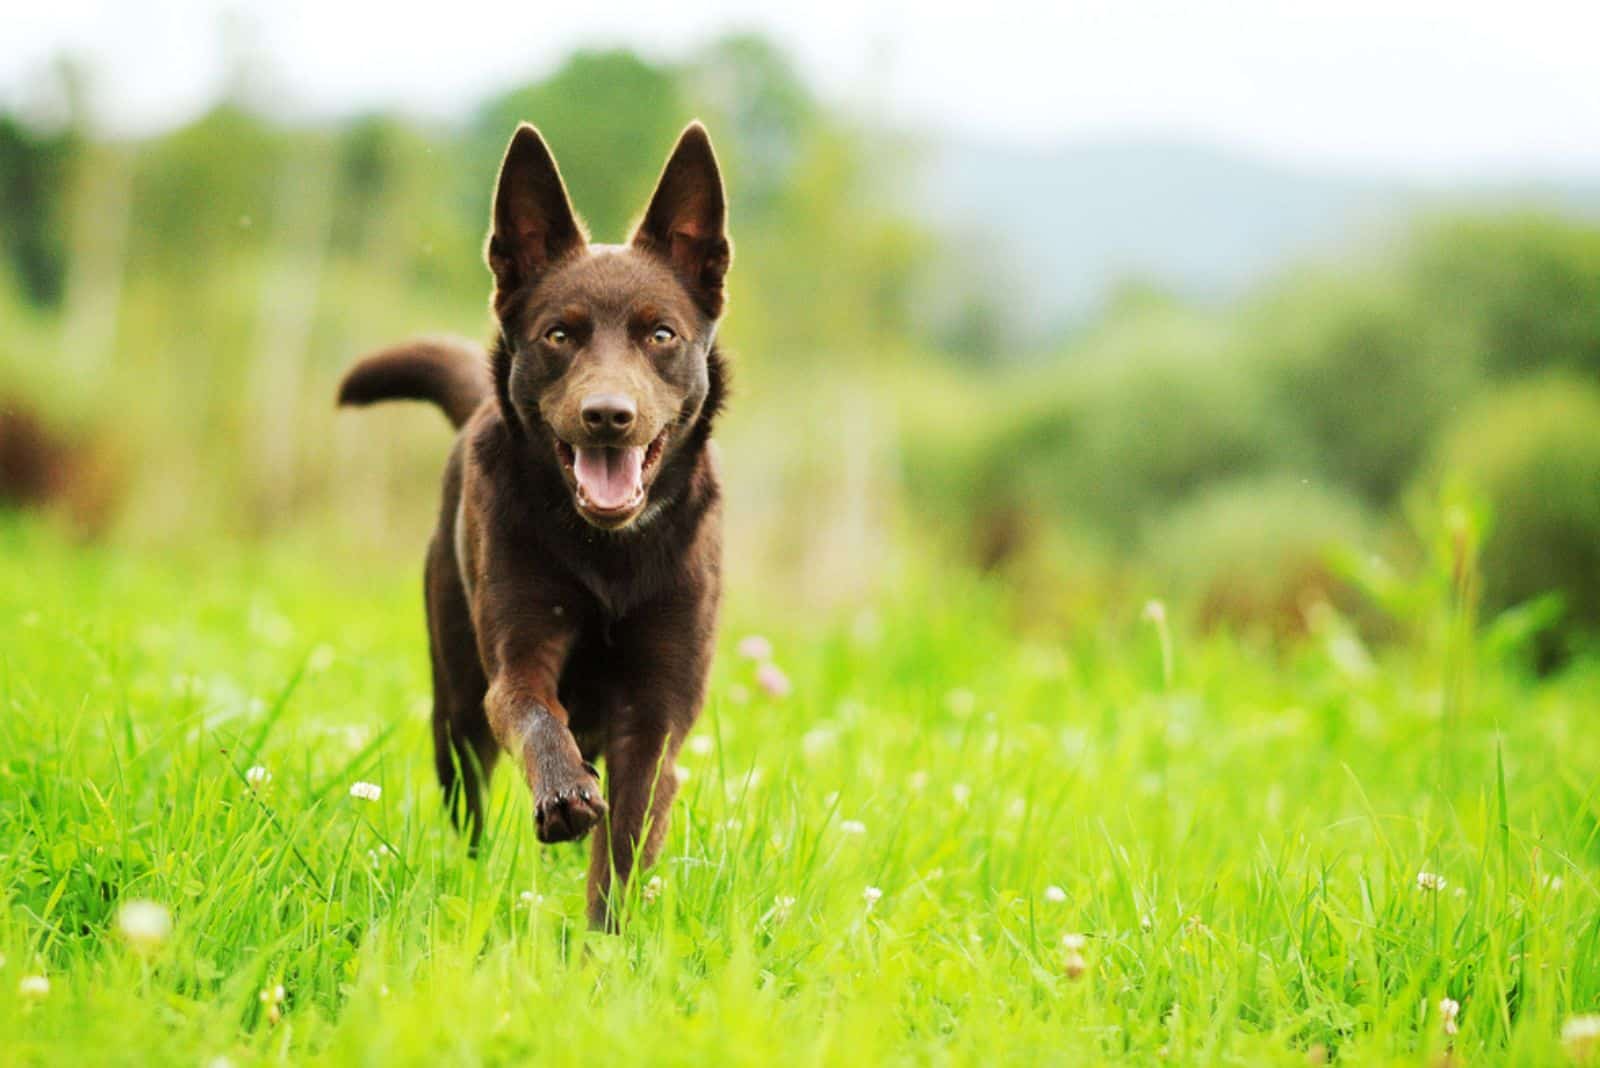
(687, 221)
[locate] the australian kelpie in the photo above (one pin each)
(573, 580)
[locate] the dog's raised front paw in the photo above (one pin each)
(566, 814)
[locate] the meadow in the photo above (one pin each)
(947, 842)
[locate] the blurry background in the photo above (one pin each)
(1251, 308)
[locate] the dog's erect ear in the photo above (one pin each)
(533, 224)
(687, 221)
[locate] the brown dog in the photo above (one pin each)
(573, 580)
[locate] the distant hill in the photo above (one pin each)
(1202, 221)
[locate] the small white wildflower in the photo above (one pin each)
(257, 777)
(755, 647)
(1155, 611)
(701, 744)
(366, 791)
(853, 827)
(33, 986)
(145, 925)
(1449, 1010)
(871, 895)
(782, 906)
(273, 1000)
(529, 899)
(960, 703)
(1073, 942)
(320, 660)
(1054, 894)
(377, 856)
(1147, 922)
(1581, 1037)
(652, 889)
(1075, 965)
(1427, 880)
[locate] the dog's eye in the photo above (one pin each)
(662, 334)
(557, 336)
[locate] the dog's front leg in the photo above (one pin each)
(641, 783)
(524, 664)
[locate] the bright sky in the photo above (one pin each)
(1404, 87)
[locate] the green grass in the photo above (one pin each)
(1239, 842)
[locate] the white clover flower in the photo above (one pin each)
(853, 827)
(960, 703)
(366, 791)
(652, 889)
(257, 777)
(755, 647)
(1449, 1010)
(1427, 880)
(871, 895)
(770, 677)
(782, 906)
(1581, 1037)
(529, 899)
(1155, 611)
(145, 925)
(273, 999)
(1054, 894)
(33, 986)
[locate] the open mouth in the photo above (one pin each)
(610, 479)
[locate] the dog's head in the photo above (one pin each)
(605, 358)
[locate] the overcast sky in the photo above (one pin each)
(1404, 87)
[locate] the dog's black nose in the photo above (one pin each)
(608, 411)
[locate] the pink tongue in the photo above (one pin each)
(609, 477)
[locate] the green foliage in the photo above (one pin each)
(1153, 410)
(982, 767)
(1527, 285)
(35, 170)
(1255, 554)
(1365, 373)
(1533, 451)
(610, 119)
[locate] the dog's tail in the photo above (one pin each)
(451, 372)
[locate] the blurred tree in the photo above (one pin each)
(610, 118)
(1528, 285)
(1364, 371)
(1533, 450)
(35, 171)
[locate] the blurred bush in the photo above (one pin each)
(1364, 371)
(1533, 451)
(1254, 554)
(1526, 285)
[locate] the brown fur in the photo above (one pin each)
(558, 635)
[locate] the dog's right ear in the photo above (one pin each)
(534, 225)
